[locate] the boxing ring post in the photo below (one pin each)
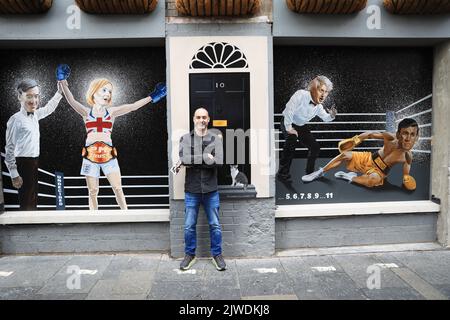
(390, 122)
(59, 191)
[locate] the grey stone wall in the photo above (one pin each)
(69, 238)
(372, 26)
(2, 199)
(65, 23)
(355, 230)
(248, 228)
(440, 174)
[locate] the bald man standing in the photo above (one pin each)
(201, 152)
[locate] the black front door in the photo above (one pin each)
(226, 96)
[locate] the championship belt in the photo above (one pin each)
(99, 152)
(380, 163)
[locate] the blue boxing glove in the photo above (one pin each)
(159, 92)
(62, 72)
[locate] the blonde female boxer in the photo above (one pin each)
(99, 152)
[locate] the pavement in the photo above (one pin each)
(346, 274)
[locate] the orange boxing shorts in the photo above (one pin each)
(362, 162)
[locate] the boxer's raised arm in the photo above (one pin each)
(78, 107)
(376, 135)
(126, 108)
(157, 94)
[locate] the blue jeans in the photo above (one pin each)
(211, 204)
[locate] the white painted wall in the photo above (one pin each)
(181, 51)
(65, 21)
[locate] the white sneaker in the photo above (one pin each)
(346, 175)
(313, 175)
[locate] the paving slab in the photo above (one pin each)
(64, 282)
(389, 258)
(230, 274)
(420, 275)
(133, 282)
(221, 285)
(299, 269)
(222, 290)
(314, 278)
(102, 290)
(105, 290)
(329, 286)
(294, 265)
(276, 297)
(60, 296)
(357, 267)
(444, 289)
(119, 263)
(170, 271)
(432, 266)
(386, 293)
(30, 271)
(20, 293)
(358, 249)
(420, 285)
(260, 277)
(26, 260)
(129, 297)
(176, 290)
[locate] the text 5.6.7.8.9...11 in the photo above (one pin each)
(308, 196)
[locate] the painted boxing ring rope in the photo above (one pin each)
(81, 185)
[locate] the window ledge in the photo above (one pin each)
(352, 209)
(84, 216)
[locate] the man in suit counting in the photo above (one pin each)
(303, 106)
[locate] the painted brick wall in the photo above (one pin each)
(248, 228)
(69, 238)
(2, 200)
(353, 230)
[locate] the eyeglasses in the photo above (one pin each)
(32, 96)
(201, 117)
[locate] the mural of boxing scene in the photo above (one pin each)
(84, 129)
(352, 124)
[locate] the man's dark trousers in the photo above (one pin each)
(28, 170)
(306, 139)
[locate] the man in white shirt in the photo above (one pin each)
(22, 141)
(303, 106)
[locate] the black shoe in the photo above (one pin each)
(187, 262)
(284, 177)
(219, 262)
